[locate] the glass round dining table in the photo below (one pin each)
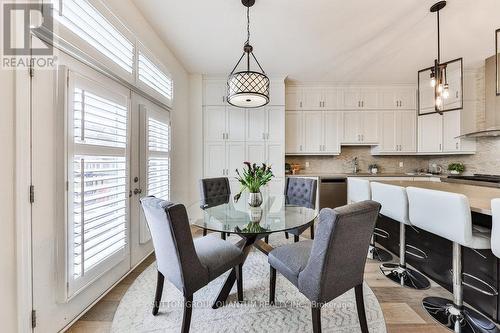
(225, 215)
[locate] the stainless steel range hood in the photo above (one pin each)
(492, 116)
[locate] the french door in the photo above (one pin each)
(96, 149)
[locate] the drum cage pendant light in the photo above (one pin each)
(248, 89)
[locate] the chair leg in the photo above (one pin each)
(272, 285)
(159, 290)
(223, 235)
(360, 305)
(295, 238)
(286, 235)
(239, 281)
(266, 239)
(188, 309)
(312, 231)
(204, 232)
(316, 318)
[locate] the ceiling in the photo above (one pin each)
(382, 41)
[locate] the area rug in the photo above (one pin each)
(290, 314)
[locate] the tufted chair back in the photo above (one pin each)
(301, 192)
(214, 191)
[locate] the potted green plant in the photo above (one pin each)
(456, 168)
(252, 178)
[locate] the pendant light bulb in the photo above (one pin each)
(433, 82)
(446, 91)
(440, 88)
(439, 101)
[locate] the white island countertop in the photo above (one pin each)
(479, 196)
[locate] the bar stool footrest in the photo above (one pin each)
(465, 320)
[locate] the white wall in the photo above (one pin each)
(180, 154)
(196, 137)
(8, 304)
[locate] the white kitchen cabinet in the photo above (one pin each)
(397, 132)
(454, 91)
(439, 134)
(369, 98)
(292, 99)
(406, 131)
(451, 130)
(293, 132)
(256, 152)
(398, 98)
(332, 98)
(215, 159)
(214, 92)
(235, 124)
(359, 127)
(275, 124)
(256, 124)
(331, 129)
(235, 156)
(313, 131)
(312, 98)
(214, 123)
(275, 153)
(360, 98)
(350, 127)
(430, 133)
(351, 99)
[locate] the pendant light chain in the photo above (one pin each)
(248, 26)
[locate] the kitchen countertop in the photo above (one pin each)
(479, 196)
(345, 175)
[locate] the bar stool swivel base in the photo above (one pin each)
(405, 277)
(465, 320)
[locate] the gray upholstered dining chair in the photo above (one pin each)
(214, 192)
(301, 192)
(189, 265)
(331, 264)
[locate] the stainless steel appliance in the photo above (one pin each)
(332, 192)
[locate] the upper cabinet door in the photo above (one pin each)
(312, 98)
(275, 126)
(405, 99)
(369, 122)
(332, 99)
(293, 132)
(455, 90)
(387, 129)
(369, 98)
(214, 93)
(214, 123)
(292, 99)
(388, 99)
(406, 131)
(235, 124)
(313, 134)
(350, 127)
(256, 124)
(451, 130)
(331, 129)
(351, 99)
(426, 99)
(430, 133)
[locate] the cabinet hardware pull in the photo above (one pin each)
(300, 104)
(440, 146)
(456, 145)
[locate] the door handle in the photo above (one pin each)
(137, 191)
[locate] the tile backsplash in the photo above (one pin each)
(486, 160)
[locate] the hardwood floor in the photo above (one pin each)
(401, 306)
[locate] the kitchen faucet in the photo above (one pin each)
(355, 165)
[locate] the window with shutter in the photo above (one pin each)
(98, 174)
(153, 77)
(84, 20)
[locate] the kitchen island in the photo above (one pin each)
(432, 255)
